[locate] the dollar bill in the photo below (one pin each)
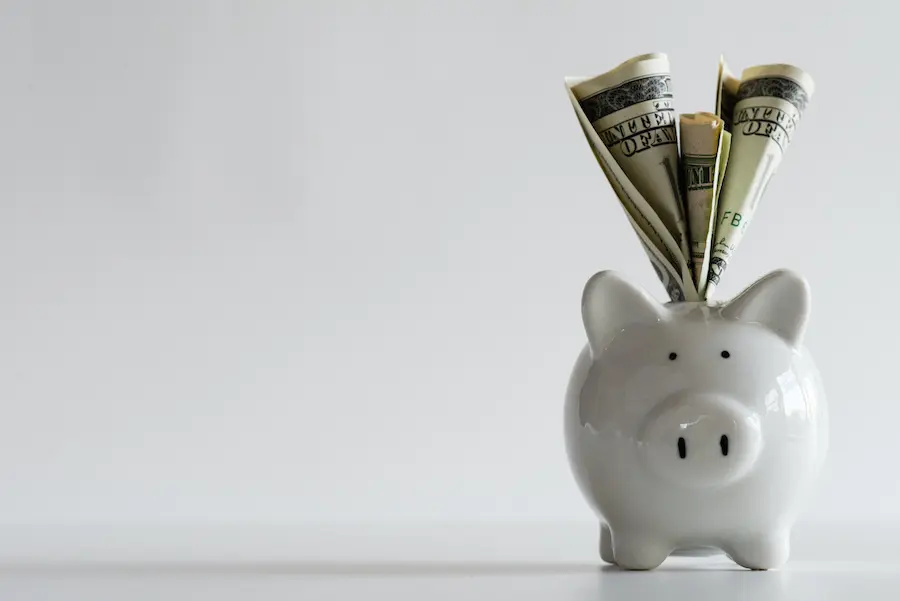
(724, 153)
(631, 109)
(726, 93)
(701, 145)
(664, 253)
(769, 104)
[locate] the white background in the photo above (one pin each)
(322, 261)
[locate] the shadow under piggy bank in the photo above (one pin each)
(692, 427)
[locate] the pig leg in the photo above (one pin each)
(606, 548)
(638, 551)
(764, 551)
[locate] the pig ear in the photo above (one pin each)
(779, 301)
(610, 303)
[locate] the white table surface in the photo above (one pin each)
(557, 562)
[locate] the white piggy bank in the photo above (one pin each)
(695, 427)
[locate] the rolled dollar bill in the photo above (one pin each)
(665, 256)
(701, 145)
(631, 109)
(724, 153)
(726, 93)
(770, 101)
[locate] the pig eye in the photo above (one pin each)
(723, 442)
(673, 356)
(725, 354)
(682, 447)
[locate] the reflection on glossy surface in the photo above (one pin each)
(692, 425)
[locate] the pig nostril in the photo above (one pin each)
(682, 448)
(723, 442)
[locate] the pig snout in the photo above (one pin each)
(700, 440)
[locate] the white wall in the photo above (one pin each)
(313, 261)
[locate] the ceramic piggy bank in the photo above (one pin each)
(695, 428)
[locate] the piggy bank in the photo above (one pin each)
(692, 427)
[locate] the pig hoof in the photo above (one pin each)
(606, 548)
(634, 553)
(764, 552)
